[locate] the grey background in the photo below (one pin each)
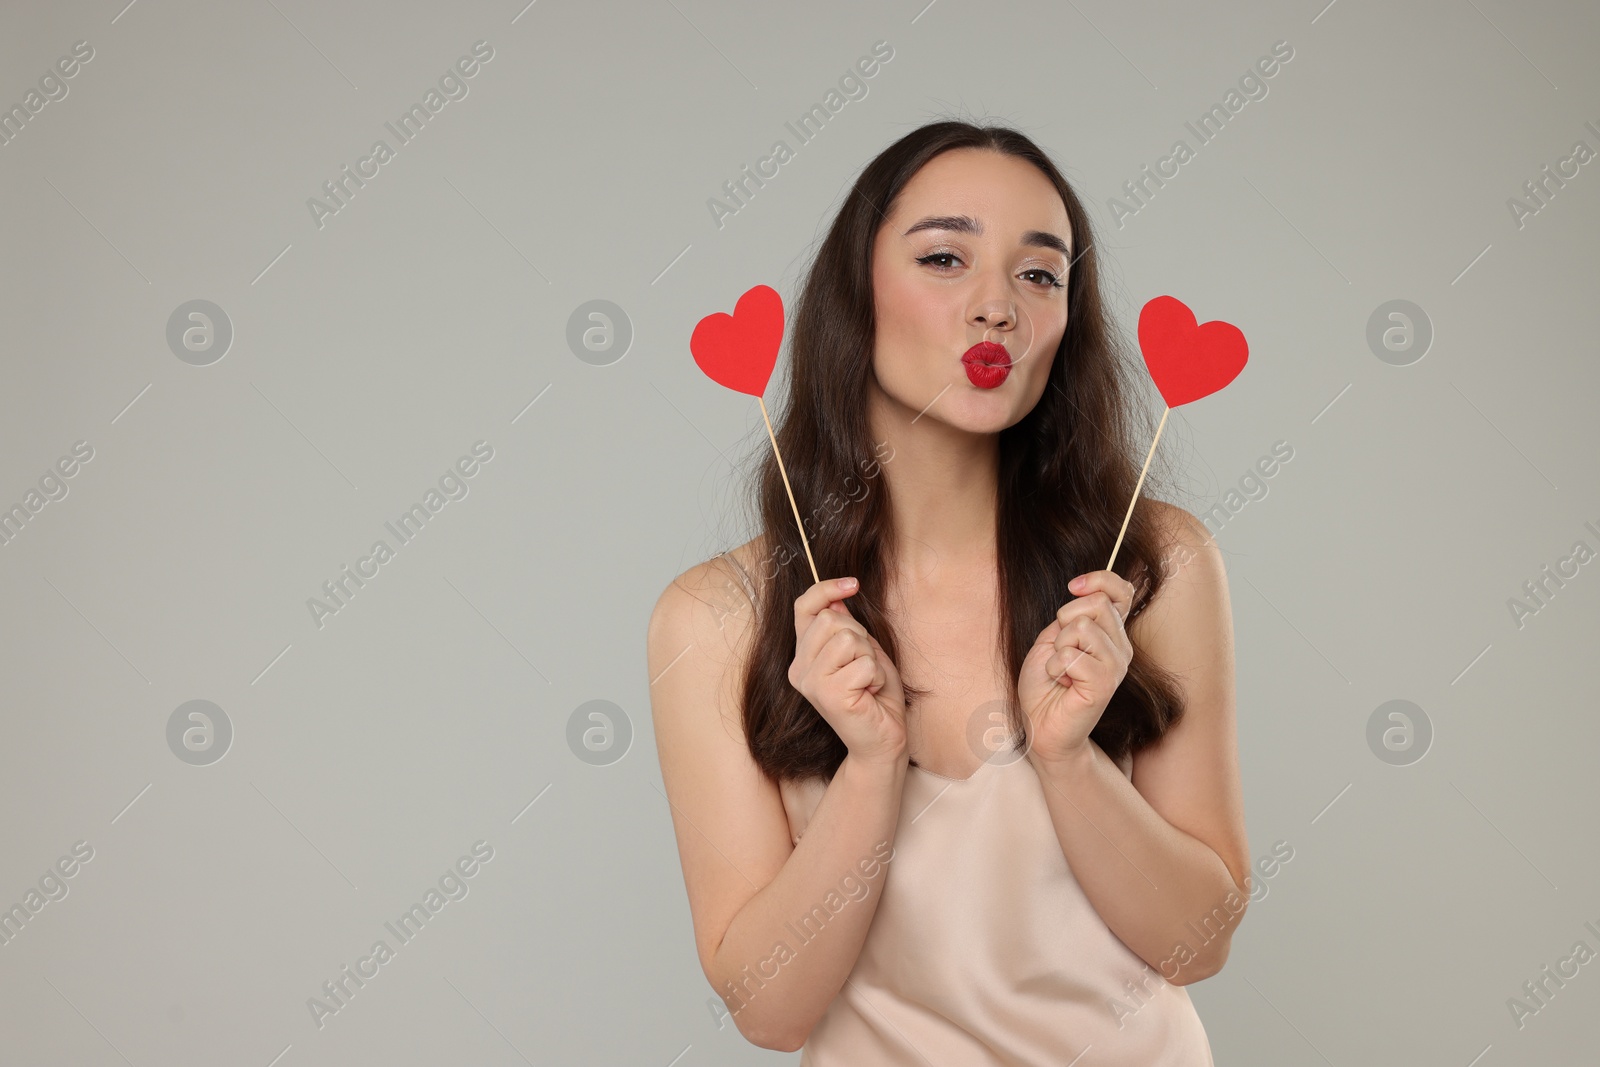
(433, 311)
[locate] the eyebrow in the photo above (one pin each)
(968, 224)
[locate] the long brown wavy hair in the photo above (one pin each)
(1066, 473)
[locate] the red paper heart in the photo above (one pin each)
(740, 350)
(1188, 361)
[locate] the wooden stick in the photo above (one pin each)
(773, 437)
(1148, 456)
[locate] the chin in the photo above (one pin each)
(981, 411)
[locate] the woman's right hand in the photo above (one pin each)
(846, 675)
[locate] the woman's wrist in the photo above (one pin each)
(1064, 766)
(885, 763)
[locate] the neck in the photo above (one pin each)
(944, 493)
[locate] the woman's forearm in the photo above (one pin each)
(789, 949)
(1166, 894)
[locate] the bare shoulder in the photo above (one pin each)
(1191, 777)
(710, 588)
(1189, 560)
(1182, 531)
(757, 561)
(705, 612)
(729, 820)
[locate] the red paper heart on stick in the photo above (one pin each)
(740, 350)
(1188, 361)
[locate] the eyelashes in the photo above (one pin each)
(1053, 283)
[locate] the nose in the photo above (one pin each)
(994, 315)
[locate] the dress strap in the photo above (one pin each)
(744, 576)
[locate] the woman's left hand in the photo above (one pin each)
(1075, 665)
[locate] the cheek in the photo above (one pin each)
(1047, 343)
(1036, 383)
(1050, 326)
(910, 325)
(902, 304)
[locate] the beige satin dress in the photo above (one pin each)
(984, 949)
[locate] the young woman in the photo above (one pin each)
(978, 802)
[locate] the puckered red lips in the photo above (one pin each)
(988, 364)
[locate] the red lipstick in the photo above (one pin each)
(988, 364)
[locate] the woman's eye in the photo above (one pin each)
(1046, 278)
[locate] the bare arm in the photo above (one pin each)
(751, 892)
(1163, 857)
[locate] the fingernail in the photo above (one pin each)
(1076, 584)
(847, 583)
